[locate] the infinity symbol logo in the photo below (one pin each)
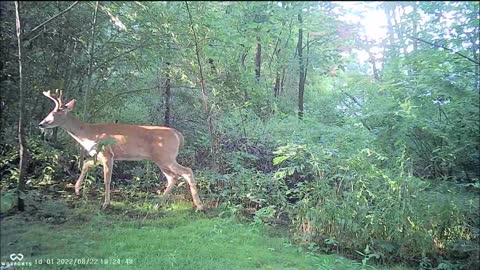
(15, 257)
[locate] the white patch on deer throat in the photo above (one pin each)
(86, 143)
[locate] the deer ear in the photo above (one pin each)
(69, 106)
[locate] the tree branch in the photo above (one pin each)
(51, 18)
(448, 49)
(352, 98)
(276, 46)
(204, 92)
(356, 101)
(120, 55)
(115, 97)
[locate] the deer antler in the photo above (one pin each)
(57, 98)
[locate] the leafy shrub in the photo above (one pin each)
(7, 201)
(45, 163)
(265, 214)
(361, 204)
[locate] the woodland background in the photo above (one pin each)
(376, 160)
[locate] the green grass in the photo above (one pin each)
(174, 237)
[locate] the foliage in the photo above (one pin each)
(44, 166)
(383, 167)
(360, 205)
(176, 240)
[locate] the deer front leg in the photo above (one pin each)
(78, 184)
(107, 177)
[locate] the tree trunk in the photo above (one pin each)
(475, 48)
(90, 64)
(301, 65)
(376, 75)
(391, 32)
(282, 82)
(208, 113)
(373, 60)
(276, 88)
(415, 26)
(167, 95)
(398, 28)
(306, 60)
(89, 78)
(258, 60)
(21, 133)
(242, 60)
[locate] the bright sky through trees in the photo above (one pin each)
(373, 21)
(366, 13)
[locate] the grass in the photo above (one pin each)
(174, 237)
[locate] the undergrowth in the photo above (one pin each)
(132, 235)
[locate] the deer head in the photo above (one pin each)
(58, 116)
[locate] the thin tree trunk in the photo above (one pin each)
(415, 26)
(211, 130)
(289, 33)
(276, 50)
(242, 60)
(159, 118)
(376, 75)
(243, 57)
(21, 133)
(398, 29)
(307, 60)
(475, 39)
(301, 65)
(373, 61)
(258, 60)
(391, 32)
(90, 64)
(89, 77)
(167, 95)
(282, 82)
(276, 88)
(477, 71)
(276, 53)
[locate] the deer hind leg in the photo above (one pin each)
(78, 184)
(171, 179)
(107, 160)
(187, 173)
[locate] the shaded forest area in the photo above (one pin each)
(377, 160)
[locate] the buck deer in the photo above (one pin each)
(127, 142)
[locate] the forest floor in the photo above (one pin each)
(54, 234)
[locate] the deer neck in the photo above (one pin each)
(81, 132)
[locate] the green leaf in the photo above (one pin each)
(279, 159)
(106, 142)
